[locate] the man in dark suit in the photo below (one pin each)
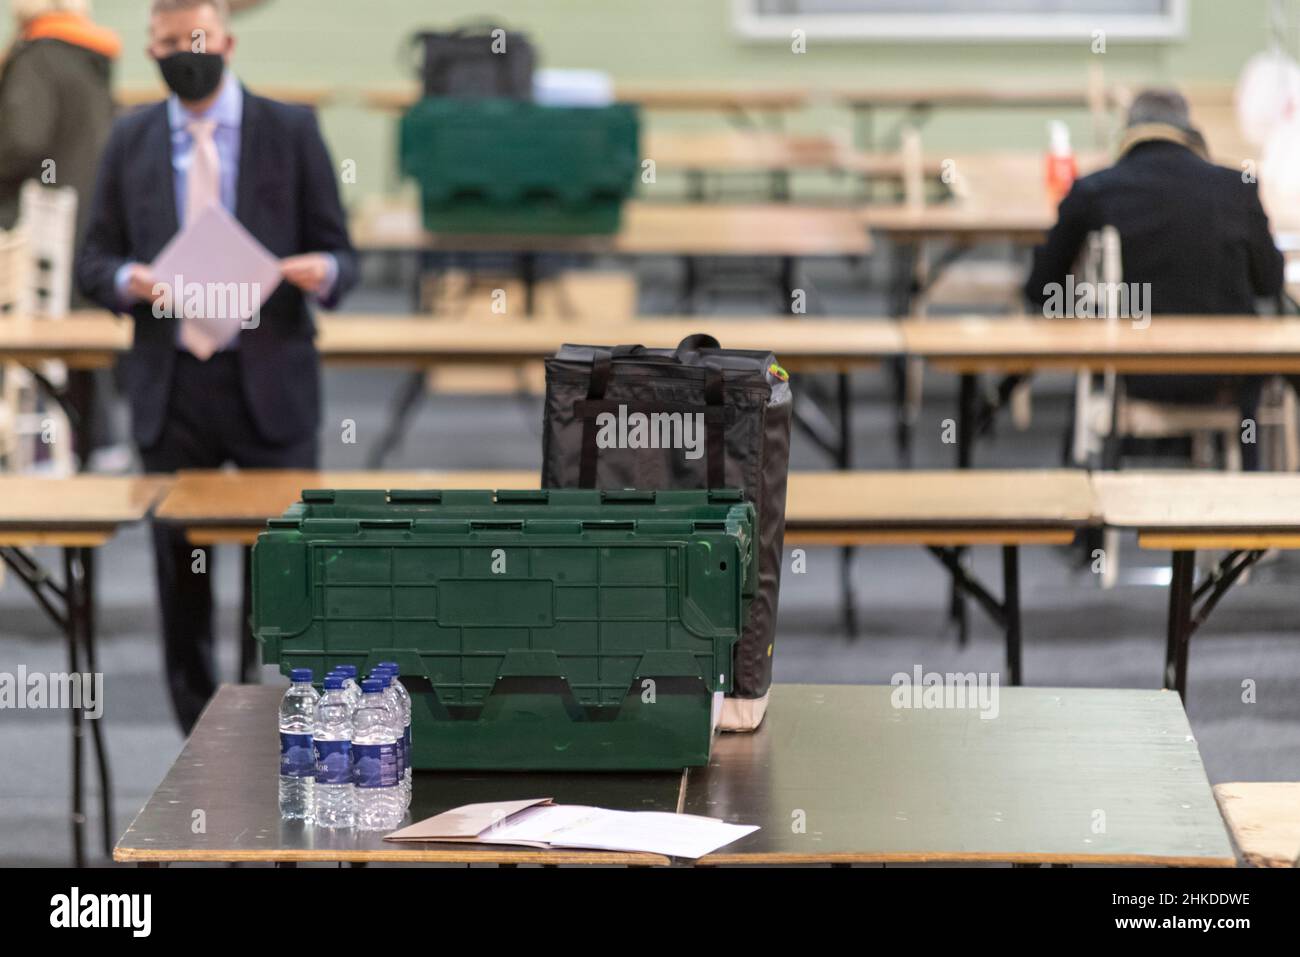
(1193, 230)
(250, 396)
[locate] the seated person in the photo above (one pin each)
(1193, 230)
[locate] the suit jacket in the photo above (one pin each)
(1194, 230)
(287, 197)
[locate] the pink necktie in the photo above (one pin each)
(203, 185)
(203, 337)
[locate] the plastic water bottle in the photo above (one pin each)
(335, 804)
(297, 758)
(404, 696)
(350, 684)
(401, 719)
(385, 678)
(379, 799)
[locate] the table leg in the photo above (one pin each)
(81, 604)
(789, 280)
(1178, 638)
(690, 284)
(408, 401)
(81, 396)
(965, 442)
(966, 414)
(696, 192)
(845, 462)
(528, 270)
(1011, 608)
(248, 656)
(73, 625)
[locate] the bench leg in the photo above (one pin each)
(1179, 627)
(1011, 608)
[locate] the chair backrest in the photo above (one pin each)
(13, 271)
(49, 218)
(1102, 264)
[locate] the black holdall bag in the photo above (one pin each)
(744, 402)
(463, 62)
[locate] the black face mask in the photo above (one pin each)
(192, 76)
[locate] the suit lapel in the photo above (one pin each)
(245, 179)
(159, 177)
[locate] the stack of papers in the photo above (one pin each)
(539, 822)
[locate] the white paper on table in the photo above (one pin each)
(537, 825)
(214, 265)
(653, 832)
(593, 828)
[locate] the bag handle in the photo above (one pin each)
(602, 368)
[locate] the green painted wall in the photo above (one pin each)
(351, 44)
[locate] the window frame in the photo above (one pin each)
(961, 27)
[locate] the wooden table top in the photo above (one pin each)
(313, 96)
(1025, 223)
(400, 97)
(970, 498)
(1024, 94)
(84, 340)
(997, 195)
(1264, 819)
(231, 760)
(875, 784)
(1170, 344)
(722, 97)
(648, 229)
(93, 339)
(1200, 502)
(1060, 775)
(753, 150)
(81, 510)
(230, 498)
(885, 501)
(799, 342)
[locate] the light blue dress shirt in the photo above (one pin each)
(228, 113)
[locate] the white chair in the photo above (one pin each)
(39, 284)
(1099, 413)
(49, 219)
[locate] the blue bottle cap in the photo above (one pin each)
(392, 666)
(372, 686)
(298, 675)
(349, 670)
(384, 677)
(333, 682)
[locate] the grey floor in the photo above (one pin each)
(1077, 635)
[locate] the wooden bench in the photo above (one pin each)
(1264, 820)
(75, 515)
(1245, 513)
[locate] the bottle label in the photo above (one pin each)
(400, 749)
(297, 757)
(406, 738)
(376, 765)
(333, 762)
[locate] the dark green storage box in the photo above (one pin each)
(536, 630)
(492, 166)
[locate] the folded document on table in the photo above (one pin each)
(540, 822)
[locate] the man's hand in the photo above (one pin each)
(140, 282)
(309, 272)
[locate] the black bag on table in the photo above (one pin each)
(746, 402)
(461, 62)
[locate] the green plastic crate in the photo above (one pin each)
(491, 166)
(536, 630)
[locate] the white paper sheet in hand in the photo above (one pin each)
(217, 272)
